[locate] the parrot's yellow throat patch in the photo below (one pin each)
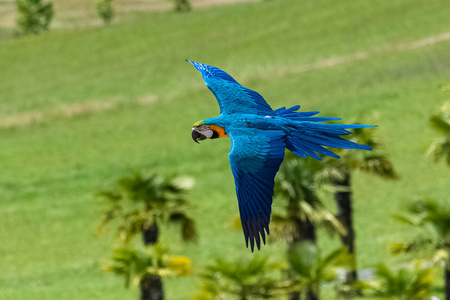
(220, 131)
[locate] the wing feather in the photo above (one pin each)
(232, 97)
(255, 158)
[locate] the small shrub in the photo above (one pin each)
(182, 5)
(105, 10)
(33, 16)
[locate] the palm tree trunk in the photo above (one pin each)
(447, 279)
(343, 200)
(294, 296)
(151, 287)
(311, 295)
(150, 234)
(304, 231)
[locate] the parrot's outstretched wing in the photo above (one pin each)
(232, 97)
(255, 158)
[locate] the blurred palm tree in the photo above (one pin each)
(147, 268)
(440, 148)
(139, 205)
(403, 285)
(182, 5)
(339, 172)
(243, 279)
(297, 184)
(434, 219)
(311, 269)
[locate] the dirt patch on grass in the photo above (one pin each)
(7, 14)
(363, 55)
(425, 42)
(63, 111)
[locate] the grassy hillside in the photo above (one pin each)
(83, 13)
(80, 109)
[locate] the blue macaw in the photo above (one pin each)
(258, 137)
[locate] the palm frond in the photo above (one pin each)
(379, 165)
(188, 226)
(410, 220)
(128, 263)
(189, 230)
(441, 123)
(430, 212)
(433, 220)
(337, 258)
(441, 120)
(411, 284)
(137, 201)
(281, 227)
(440, 147)
(297, 184)
(329, 221)
(133, 265)
(241, 278)
(312, 269)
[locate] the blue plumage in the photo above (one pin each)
(255, 158)
(259, 136)
(233, 98)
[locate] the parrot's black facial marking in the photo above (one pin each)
(215, 135)
(196, 136)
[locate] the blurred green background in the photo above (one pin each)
(83, 104)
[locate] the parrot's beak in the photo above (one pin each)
(197, 136)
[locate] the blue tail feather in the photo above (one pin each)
(309, 137)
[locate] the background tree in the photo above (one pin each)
(147, 268)
(296, 184)
(243, 279)
(311, 269)
(182, 5)
(339, 172)
(139, 205)
(105, 10)
(434, 219)
(440, 148)
(404, 284)
(33, 16)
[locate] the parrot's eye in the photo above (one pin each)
(215, 135)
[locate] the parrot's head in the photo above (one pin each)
(202, 131)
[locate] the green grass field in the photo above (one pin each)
(58, 148)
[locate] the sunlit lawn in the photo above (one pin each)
(51, 170)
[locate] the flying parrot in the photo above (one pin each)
(259, 136)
